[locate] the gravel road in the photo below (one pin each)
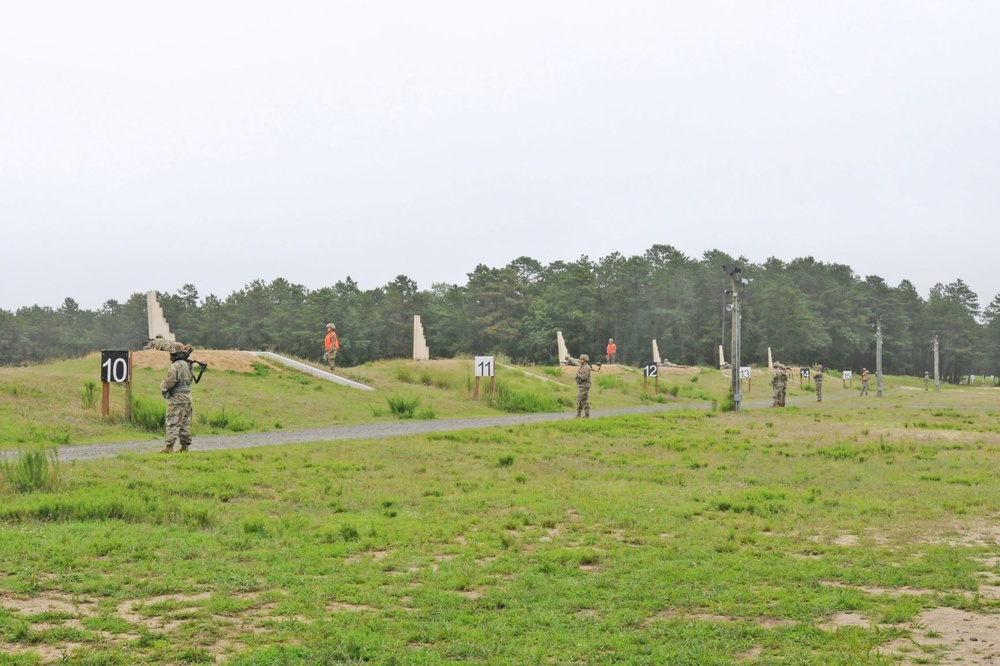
(372, 431)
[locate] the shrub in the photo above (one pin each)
(89, 394)
(405, 375)
(149, 415)
(32, 470)
(226, 421)
(607, 381)
(402, 407)
(510, 400)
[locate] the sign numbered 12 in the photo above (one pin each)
(650, 370)
(484, 366)
(114, 367)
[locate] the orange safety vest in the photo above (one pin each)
(331, 340)
(612, 348)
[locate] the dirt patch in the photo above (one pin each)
(965, 637)
(237, 361)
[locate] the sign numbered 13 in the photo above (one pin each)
(114, 367)
(484, 366)
(744, 372)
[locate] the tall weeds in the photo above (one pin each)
(31, 470)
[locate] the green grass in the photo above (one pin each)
(269, 395)
(680, 537)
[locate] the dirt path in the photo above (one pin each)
(371, 431)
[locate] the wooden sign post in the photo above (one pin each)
(485, 367)
(651, 370)
(116, 367)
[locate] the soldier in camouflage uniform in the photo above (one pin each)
(819, 383)
(159, 343)
(583, 387)
(779, 384)
(176, 388)
(864, 381)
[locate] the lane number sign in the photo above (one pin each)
(848, 374)
(804, 373)
(114, 367)
(650, 370)
(744, 372)
(485, 366)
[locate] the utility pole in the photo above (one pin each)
(937, 366)
(878, 351)
(734, 274)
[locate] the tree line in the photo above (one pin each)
(806, 311)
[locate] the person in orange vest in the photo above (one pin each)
(612, 350)
(331, 344)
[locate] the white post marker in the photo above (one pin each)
(745, 374)
(484, 367)
(848, 377)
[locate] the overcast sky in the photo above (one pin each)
(149, 145)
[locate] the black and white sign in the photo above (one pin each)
(484, 366)
(848, 374)
(650, 370)
(804, 373)
(114, 367)
(744, 372)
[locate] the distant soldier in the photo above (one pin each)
(864, 381)
(819, 383)
(779, 384)
(583, 387)
(569, 360)
(159, 343)
(176, 388)
(927, 380)
(331, 343)
(612, 351)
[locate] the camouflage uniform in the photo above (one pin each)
(583, 388)
(159, 343)
(864, 381)
(779, 384)
(927, 380)
(331, 344)
(176, 388)
(819, 384)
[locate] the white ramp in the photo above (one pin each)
(310, 370)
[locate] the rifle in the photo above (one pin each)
(202, 367)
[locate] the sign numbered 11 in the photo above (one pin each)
(485, 366)
(114, 367)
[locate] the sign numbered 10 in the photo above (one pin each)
(485, 366)
(114, 367)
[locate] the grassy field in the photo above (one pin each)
(853, 531)
(47, 404)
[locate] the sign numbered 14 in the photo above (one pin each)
(114, 367)
(485, 366)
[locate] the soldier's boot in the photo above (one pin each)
(586, 415)
(578, 412)
(169, 448)
(184, 447)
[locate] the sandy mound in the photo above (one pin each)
(238, 361)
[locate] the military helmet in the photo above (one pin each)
(177, 350)
(584, 357)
